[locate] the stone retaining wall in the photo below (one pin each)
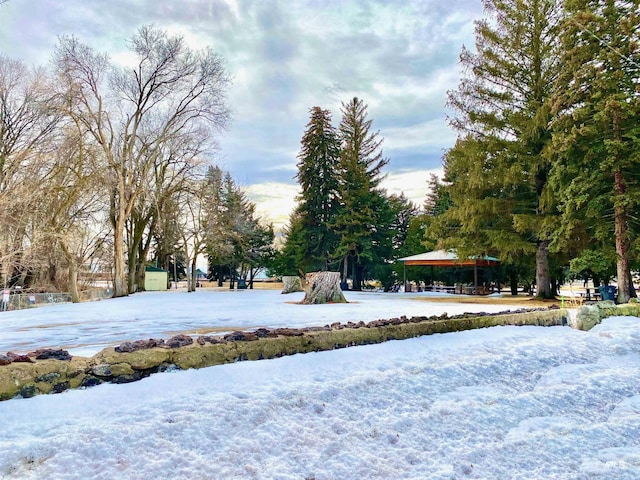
(54, 371)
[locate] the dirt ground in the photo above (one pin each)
(525, 300)
(506, 299)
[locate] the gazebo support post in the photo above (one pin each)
(431, 277)
(404, 275)
(475, 277)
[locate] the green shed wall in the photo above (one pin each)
(154, 281)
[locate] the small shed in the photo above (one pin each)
(155, 278)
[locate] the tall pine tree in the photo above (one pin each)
(597, 134)
(361, 200)
(318, 170)
(503, 113)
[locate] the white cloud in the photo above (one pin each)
(427, 135)
(274, 201)
(412, 183)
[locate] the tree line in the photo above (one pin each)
(106, 165)
(544, 173)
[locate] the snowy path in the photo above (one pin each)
(498, 403)
(85, 329)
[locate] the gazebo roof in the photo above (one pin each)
(448, 258)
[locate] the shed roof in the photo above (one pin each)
(448, 258)
(151, 268)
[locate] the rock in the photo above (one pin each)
(102, 370)
(587, 317)
(19, 358)
(263, 333)
(48, 353)
(288, 332)
(60, 387)
(179, 341)
(134, 377)
(240, 336)
(5, 360)
(139, 345)
(138, 360)
(204, 339)
(48, 377)
(120, 369)
(90, 381)
(28, 391)
(376, 323)
(125, 347)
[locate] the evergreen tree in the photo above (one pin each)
(361, 164)
(290, 259)
(597, 134)
(391, 237)
(318, 163)
(503, 113)
(236, 241)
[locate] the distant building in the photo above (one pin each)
(155, 278)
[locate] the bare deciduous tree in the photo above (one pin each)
(172, 94)
(28, 121)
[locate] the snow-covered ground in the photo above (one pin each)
(497, 403)
(85, 329)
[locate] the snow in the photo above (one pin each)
(502, 402)
(85, 329)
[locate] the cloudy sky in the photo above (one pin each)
(399, 56)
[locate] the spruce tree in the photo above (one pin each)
(361, 200)
(318, 164)
(502, 114)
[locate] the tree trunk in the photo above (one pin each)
(513, 282)
(622, 243)
(140, 274)
(73, 281)
(345, 268)
(73, 273)
(131, 270)
(292, 283)
(187, 264)
(119, 277)
(193, 275)
(358, 273)
(118, 221)
(543, 279)
(324, 287)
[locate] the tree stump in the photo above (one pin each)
(324, 287)
(292, 283)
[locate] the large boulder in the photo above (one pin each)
(587, 317)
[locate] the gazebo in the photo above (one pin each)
(448, 258)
